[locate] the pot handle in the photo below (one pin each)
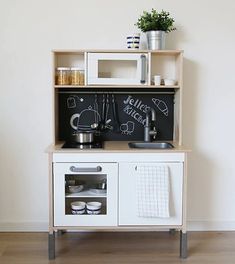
(74, 116)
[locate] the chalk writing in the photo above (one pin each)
(132, 112)
(132, 108)
(137, 103)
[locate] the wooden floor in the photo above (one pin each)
(119, 248)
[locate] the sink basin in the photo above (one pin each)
(151, 145)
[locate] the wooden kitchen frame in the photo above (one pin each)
(167, 63)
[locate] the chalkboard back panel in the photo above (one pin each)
(86, 109)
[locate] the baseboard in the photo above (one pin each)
(24, 227)
(211, 225)
(191, 226)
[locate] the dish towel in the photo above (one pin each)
(152, 191)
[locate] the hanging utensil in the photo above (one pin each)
(104, 123)
(96, 113)
(103, 111)
(116, 123)
(107, 121)
(107, 108)
(95, 108)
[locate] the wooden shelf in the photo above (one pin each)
(74, 52)
(117, 86)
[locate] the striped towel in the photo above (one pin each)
(152, 191)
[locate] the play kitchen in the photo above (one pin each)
(115, 136)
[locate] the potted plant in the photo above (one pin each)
(155, 25)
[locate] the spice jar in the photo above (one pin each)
(77, 76)
(62, 76)
(82, 77)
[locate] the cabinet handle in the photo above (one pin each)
(88, 169)
(143, 69)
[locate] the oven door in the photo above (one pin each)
(117, 69)
(80, 184)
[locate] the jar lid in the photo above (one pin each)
(63, 68)
(76, 69)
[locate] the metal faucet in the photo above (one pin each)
(149, 128)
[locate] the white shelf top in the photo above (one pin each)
(75, 51)
(117, 86)
(85, 194)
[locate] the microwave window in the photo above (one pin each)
(117, 69)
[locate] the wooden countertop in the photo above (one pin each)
(116, 147)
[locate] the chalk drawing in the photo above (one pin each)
(71, 102)
(72, 118)
(161, 105)
(86, 114)
(127, 128)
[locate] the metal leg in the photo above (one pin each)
(183, 245)
(61, 232)
(172, 231)
(51, 246)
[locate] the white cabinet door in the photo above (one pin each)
(88, 175)
(128, 202)
(117, 69)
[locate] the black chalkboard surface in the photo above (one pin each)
(85, 109)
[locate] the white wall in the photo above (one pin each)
(30, 29)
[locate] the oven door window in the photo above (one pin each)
(85, 194)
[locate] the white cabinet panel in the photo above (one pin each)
(88, 173)
(128, 205)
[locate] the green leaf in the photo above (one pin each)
(155, 21)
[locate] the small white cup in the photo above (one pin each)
(157, 79)
(169, 81)
(134, 36)
(133, 41)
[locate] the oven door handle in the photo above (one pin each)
(85, 169)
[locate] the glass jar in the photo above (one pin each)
(62, 76)
(82, 77)
(77, 76)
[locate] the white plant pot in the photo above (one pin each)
(156, 40)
